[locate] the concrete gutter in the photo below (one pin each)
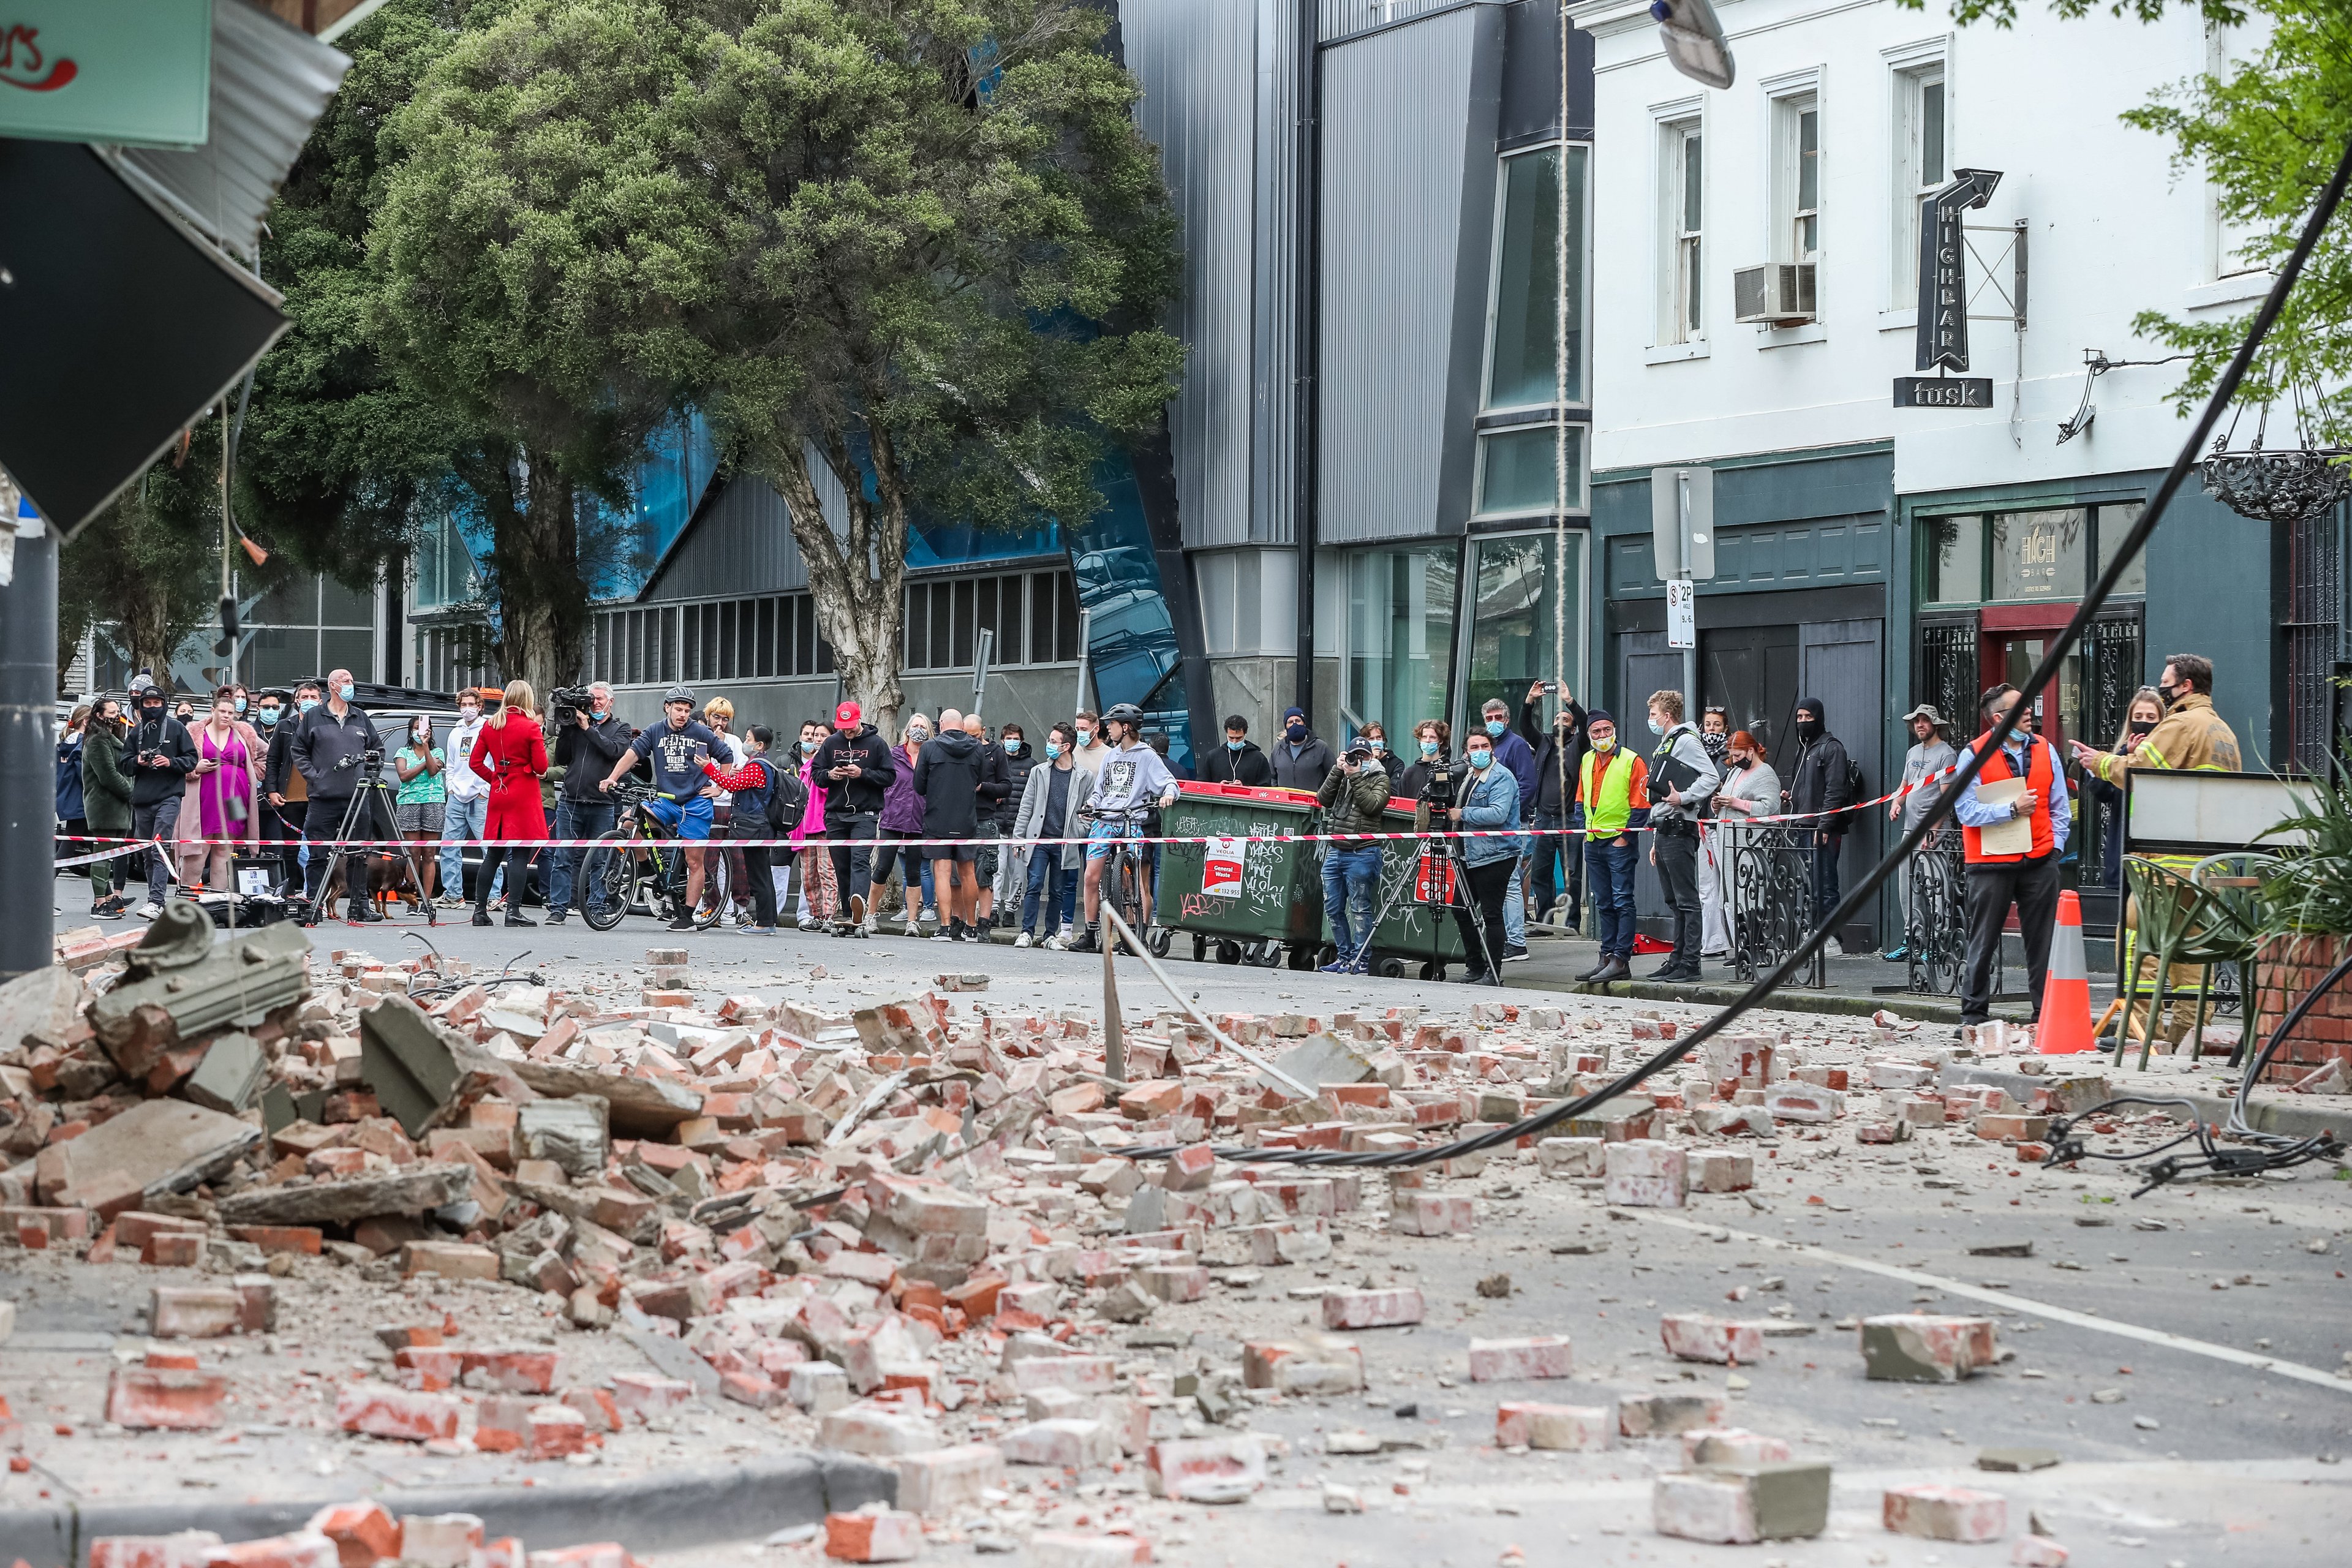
(2264, 1114)
(1910, 1004)
(659, 1512)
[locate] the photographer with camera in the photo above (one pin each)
(588, 740)
(336, 750)
(1354, 797)
(162, 757)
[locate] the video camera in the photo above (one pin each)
(565, 703)
(1444, 784)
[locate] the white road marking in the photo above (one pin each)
(2016, 1303)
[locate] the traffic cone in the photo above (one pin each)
(2065, 1025)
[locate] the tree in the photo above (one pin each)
(941, 246)
(523, 256)
(150, 564)
(2267, 133)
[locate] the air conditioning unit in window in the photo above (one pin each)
(1777, 294)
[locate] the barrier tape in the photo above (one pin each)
(433, 845)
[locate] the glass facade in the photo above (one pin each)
(1509, 642)
(1523, 368)
(2024, 557)
(1518, 471)
(1396, 637)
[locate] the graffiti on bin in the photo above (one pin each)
(1195, 905)
(1258, 871)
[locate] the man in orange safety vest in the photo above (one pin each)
(2026, 879)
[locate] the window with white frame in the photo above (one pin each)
(1681, 316)
(2227, 237)
(1797, 179)
(1922, 164)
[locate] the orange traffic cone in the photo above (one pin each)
(2065, 1025)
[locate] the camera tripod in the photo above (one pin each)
(362, 811)
(1444, 860)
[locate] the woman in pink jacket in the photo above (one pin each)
(220, 806)
(818, 895)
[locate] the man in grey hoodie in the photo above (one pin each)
(947, 775)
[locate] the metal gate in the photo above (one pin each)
(1770, 892)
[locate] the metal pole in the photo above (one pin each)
(1114, 1035)
(29, 697)
(1085, 619)
(1690, 654)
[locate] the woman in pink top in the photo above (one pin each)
(818, 897)
(219, 806)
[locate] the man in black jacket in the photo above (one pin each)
(855, 766)
(1003, 897)
(331, 749)
(1301, 760)
(1559, 762)
(1238, 761)
(947, 775)
(586, 750)
(1820, 787)
(161, 756)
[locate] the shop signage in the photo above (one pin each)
(1943, 329)
(1943, 392)
(133, 73)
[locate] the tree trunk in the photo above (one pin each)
(858, 582)
(534, 563)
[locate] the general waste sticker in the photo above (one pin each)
(1223, 871)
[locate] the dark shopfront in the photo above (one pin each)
(1997, 575)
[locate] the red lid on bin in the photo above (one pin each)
(1247, 791)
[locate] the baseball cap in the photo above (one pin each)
(848, 714)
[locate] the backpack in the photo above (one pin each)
(1854, 791)
(787, 798)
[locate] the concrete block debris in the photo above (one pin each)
(1744, 1503)
(1568, 1428)
(1695, 1336)
(1919, 1348)
(1945, 1514)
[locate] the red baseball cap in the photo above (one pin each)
(847, 714)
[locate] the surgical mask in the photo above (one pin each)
(464, 715)
(345, 692)
(1656, 727)
(1235, 745)
(1296, 732)
(420, 737)
(1375, 745)
(1429, 748)
(1604, 742)
(1052, 750)
(1085, 737)
(1481, 759)
(267, 716)
(1495, 727)
(1012, 745)
(599, 714)
(307, 703)
(241, 704)
(918, 731)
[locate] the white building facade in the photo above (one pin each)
(1875, 556)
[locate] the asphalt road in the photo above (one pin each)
(2174, 1452)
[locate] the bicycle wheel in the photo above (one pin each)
(608, 880)
(1127, 892)
(715, 890)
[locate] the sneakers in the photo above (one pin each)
(682, 923)
(150, 910)
(942, 935)
(1515, 955)
(1057, 943)
(810, 923)
(857, 909)
(1897, 956)
(955, 931)
(557, 917)
(449, 901)
(1337, 966)
(1025, 939)
(746, 929)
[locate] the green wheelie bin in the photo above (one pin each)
(1409, 936)
(1253, 890)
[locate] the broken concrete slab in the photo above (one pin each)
(1744, 1503)
(165, 1145)
(574, 1134)
(230, 1077)
(176, 993)
(41, 1008)
(418, 1067)
(640, 1107)
(1920, 1348)
(415, 1189)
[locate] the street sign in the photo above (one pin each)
(1943, 392)
(1682, 521)
(135, 72)
(1943, 325)
(1682, 613)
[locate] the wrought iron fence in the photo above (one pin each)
(1936, 916)
(1770, 893)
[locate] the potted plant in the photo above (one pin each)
(2308, 908)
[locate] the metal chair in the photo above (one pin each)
(2234, 884)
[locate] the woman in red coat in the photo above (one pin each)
(511, 754)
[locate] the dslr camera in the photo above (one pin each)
(565, 703)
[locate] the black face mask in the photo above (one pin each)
(2170, 694)
(2143, 726)
(1808, 727)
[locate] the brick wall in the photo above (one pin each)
(2286, 971)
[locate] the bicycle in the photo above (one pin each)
(1127, 879)
(628, 870)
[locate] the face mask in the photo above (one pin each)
(1085, 737)
(1809, 728)
(1604, 742)
(1481, 759)
(599, 714)
(420, 740)
(241, 704)
(2170, 694)
(2143, 726)
(1052, 750)
(1428, 748)
(464, 715)
(1297, 732)
(1375, 745)
(1235, 745)
(267, 716)
(1495, 727)
(1012, 746)
(1656, 727)
(345, 692)
(307, 703)
(919, 733)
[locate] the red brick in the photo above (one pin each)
(382, 1411)
(364, 1533)
(176, 1401)
(300, 1239)
(299, 1551)
(878, 1535)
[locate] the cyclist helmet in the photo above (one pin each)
(679, 693)
(1126, 713)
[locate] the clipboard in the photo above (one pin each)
(1671, 771)
(2014, 836)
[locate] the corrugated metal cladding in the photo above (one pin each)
(1195, 61)
(742, 542)
(1274, 422)
(1408, 142)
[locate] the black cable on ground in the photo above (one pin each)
(2224, 390)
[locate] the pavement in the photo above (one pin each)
(2187, 1353)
